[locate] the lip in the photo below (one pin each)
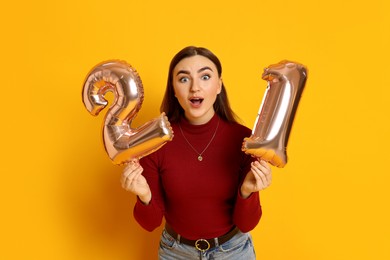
(196, 101)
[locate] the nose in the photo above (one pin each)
(195, 86)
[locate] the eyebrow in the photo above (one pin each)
(200, 70)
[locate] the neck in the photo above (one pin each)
(199, 130)
(200, 120)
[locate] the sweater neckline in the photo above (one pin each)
(199, 129)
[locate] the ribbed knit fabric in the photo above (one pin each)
(200, 199)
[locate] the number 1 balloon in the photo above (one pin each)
(123, 143)
(286, 81)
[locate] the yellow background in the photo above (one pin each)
(60, 194)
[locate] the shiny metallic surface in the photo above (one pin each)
(269, 139)
(123, 143)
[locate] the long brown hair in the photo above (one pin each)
(170, 105)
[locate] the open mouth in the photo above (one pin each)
(196, 101)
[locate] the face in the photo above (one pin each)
(196, 84)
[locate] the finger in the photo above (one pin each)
(125, 173)
(258, 174)
(128, 173)
(268, 170)
(129, 176)
(260, 167)
(264, 172)
(263, 166)
(132, 165)
(132, 178)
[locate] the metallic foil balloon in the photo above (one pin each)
(286, 81)
(123, 143)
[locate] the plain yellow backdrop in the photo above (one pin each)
(60, 194)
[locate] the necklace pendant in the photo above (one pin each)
(200, 158)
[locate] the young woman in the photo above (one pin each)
(201, 182)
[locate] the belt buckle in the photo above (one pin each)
(202, 245)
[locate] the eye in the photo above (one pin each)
(206, 77)
(183, 79)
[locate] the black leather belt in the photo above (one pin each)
(201, 244)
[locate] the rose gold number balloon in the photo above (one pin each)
(286, 81)
(123, 143)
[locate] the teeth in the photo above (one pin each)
(196, 100)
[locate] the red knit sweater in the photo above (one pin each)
(200, 199)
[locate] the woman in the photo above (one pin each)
(201, 182)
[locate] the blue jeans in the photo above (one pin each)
(238, 247)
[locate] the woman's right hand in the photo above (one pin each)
(132, 180)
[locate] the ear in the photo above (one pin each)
(220, 86)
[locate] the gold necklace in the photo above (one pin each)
(200, 157)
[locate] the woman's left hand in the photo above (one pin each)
(259, 178)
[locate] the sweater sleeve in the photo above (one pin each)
(150, 216)
(247, 212)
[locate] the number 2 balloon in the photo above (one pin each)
(123, 143)
(286, 81)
